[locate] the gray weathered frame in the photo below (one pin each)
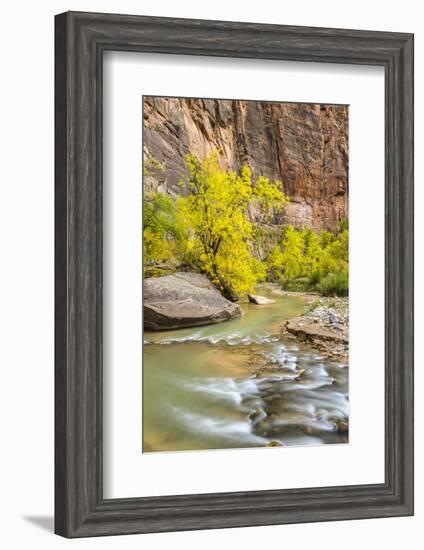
(80, 40)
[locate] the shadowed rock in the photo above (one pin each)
(259, 300)
(184, 300)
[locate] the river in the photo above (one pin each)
(241, 384)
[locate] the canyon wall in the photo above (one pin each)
(303, 145)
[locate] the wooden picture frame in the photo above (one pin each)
(81, 39)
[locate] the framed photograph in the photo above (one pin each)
(234, 274)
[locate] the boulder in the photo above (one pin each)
(184, 300)
(259, 300)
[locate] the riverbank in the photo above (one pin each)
(324, 325)
(185, 300)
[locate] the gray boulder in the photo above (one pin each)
(184, 300)
(259, 300)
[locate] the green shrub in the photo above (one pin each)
(307, 260)
(162, 235)
(334, 284)
(302, 284)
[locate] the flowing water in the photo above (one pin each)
(241, 384)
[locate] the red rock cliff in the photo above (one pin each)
(303, 145)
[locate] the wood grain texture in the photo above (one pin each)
(81, 39)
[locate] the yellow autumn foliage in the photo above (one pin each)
(216, 212)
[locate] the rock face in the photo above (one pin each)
(184, 300)
(303, 145)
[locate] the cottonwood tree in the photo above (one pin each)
(216, 211)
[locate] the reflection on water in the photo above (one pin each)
(240, 384)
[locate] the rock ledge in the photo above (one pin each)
(325, 327)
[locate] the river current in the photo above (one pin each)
(241, 384)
